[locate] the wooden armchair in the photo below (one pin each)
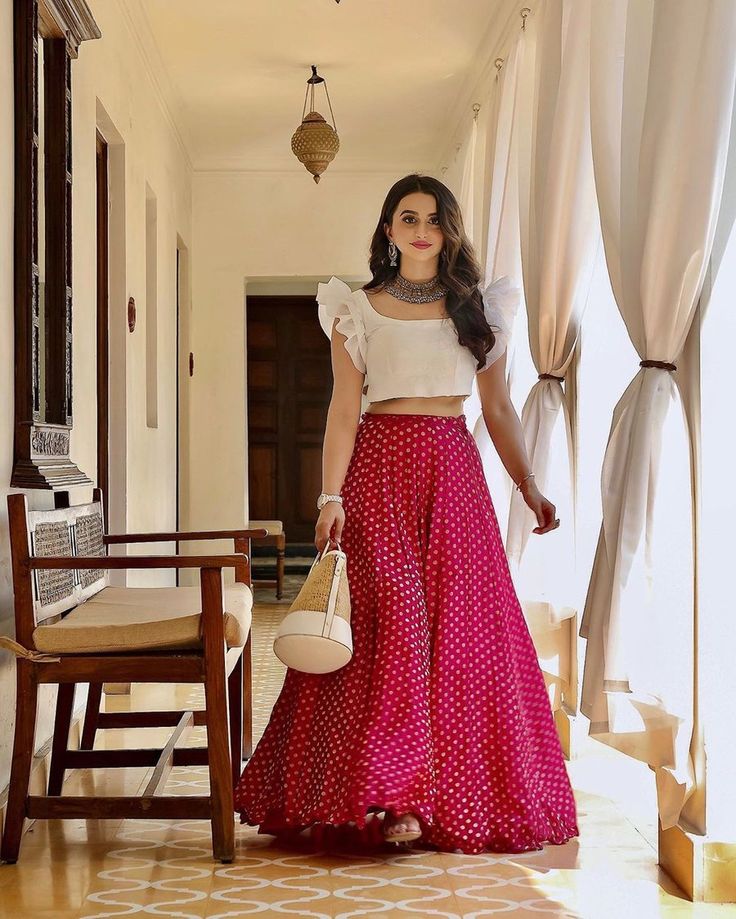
(73, 627)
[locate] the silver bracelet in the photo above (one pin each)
(324, 498)
(518, 487)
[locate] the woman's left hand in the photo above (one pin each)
(544, 510)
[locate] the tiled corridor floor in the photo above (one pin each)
(156, 868)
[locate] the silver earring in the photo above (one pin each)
(392, 251)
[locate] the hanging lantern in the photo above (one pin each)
(315, 142)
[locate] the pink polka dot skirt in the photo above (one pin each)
(443, 710)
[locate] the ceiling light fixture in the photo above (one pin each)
(315, 143)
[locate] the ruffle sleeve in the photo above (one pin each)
(335, 299)
(500, 303)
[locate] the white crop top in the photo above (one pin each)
(412, 357)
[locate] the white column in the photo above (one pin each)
(700, 851)
(716, 622)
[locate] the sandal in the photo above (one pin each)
(405, 833)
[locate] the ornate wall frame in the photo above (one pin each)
(41, 445)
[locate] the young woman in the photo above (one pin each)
(441, 720)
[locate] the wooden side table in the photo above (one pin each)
(276, 537)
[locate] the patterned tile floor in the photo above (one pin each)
(92, 869)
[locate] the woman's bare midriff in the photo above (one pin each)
(419, 405)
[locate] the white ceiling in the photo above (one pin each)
(399, 73)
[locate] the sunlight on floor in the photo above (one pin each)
(89, 869)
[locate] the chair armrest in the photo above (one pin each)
(116, 538)
(139, 561)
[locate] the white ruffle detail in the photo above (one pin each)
(335, 299)
(500, 303)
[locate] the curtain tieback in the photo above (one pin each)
(663, 364)
(550, 376)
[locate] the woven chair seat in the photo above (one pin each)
(144, 619)
(274, 527)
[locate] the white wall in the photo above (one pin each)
(112, 71)
(111, 74)
(251, 227)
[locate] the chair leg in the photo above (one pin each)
(20, 773)
(280, 556)
(64, 708)
(91, 716)
(235, 714)
(218, 740)
(221, 779)
(247, 732)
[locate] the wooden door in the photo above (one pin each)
(289, 388)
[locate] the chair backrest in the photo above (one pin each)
(76, 530)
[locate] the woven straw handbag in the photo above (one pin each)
(315, 635)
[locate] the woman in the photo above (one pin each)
(441, 720)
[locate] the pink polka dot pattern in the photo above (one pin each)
(443, 709)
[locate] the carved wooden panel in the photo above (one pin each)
(53, 586)
(262, 374)
(262, 417)
(43, 361)
(262, 466)
(88, 541)
(309, 459)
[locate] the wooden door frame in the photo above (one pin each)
(184, 370)
(103, 316)
(116, 501)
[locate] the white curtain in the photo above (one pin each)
(559, 238)
(502, 253)
(467, 185)
(662, 91)
(466, 199)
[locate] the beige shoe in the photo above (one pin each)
(401, 829)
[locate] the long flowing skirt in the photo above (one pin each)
(443, 710)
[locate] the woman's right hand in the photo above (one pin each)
(329, 524)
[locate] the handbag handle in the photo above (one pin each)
(320, 555)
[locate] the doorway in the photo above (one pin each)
(289, 388)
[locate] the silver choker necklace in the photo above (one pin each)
(416, 291)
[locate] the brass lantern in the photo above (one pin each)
(315, 142)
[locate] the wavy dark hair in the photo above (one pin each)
(459, 269)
